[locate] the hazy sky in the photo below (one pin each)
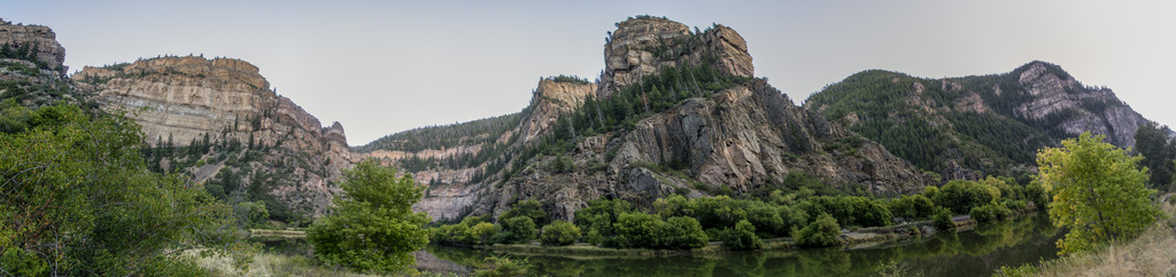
(381, 66)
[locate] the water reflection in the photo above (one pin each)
(974, 253)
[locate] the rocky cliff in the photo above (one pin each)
(969, 127)
(187, 102)
(31, 69)
(720, 132)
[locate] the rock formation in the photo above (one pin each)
(181, 101)
(734, 140)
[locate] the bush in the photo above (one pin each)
(519, 229)
(823, 232)
(961, 195)
(482, 233)
(767, 220)
(942, 219)
(560, 233)
(743, 237)
(529, 208)
(598, 218)
(502, 267)
(682, 233)
(989, 212)
(850, 210)
(912, 207)
(637, 230)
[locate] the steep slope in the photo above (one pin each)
(31, 69)
(218, 120)
(674, 112)
(968, 127)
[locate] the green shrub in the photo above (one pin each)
(560, 233)
(482, 233)
(529, 208)
(850, 210)
(502, 267)
(942, 219)
(637, 230)
(912, 207)
(682, 233)
(598, 218)
(823, 232)
(961, 195)
(743, 237)
(519, 229)
(767, 220)
(989, 212)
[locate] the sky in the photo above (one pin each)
(380, 67)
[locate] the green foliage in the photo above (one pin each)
(962, 195)
(529, 208)
(1099, 192)
(823, 232)
(502, 267)
(1151, 141)
(372, 228)
(560, 233)
(77, 199)
(912, 207)
(743, 237)
(484, 232)
(942, 219)
(637, 230)
(568, 79)
(682, 233)
(250, 214)
(519, 229)
(990, 212)
(598, 219)
(850, 210)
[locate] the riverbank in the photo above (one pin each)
(1153, 253)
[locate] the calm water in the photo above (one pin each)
(972, 253)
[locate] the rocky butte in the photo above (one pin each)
(181, 101)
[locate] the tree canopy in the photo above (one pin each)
(1098, 190)
(372, 227)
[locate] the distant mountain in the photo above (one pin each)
(675, 111)
(968, 127)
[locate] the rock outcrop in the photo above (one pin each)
(183, 101)
(37, 42)
(733, 140)
(642, 46)
(1056, 94)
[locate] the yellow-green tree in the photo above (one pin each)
(1099, 192)
(373, 227)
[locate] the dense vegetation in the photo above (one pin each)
(921, 120)
(1159, 152)
(1100, 193)
(372, 227)
(812, 219)
(77, 199)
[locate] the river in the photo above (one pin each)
(972, 253)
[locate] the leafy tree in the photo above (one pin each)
(530, 208)
(682, 233)
(483, 232)
(743, 237)
(962, 195)
(76, 198)
(942, 219)
(560, 233)
(1158, 152)
(990, 212)
(822, 232)
(372, 228)
(1099, 192)
(637, 230)
(519, 229)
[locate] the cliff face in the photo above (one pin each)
(38, 42)
(642, 46)
(31, 69)
(727, 140)
(969, 127)
(193, 101)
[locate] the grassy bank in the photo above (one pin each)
(1151, 254)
